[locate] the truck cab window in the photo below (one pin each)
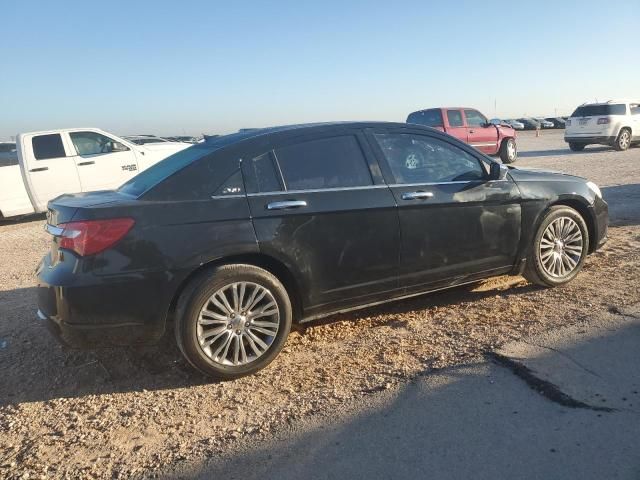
(48, 146)
(455, 118)
(92, 143)
(475, 118)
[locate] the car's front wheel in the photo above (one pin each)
(233, 321)
(623, 142)
(508, 151)
(559, 248)
(576, 147)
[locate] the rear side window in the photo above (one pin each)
(475, 118)
(455, 118)
(48, 146)
(326, 163)
(600, 110)
(430, 118)
(261, 174)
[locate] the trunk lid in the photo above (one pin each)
(69, 207)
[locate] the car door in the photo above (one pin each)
(481, 134)
(49, 168)
(322, 208)
(456, 126)
(103, 163)
(455, 223)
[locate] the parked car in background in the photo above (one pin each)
(558, 122)
(516, 125)
(183, 138)
(543, 122)
(529, 123)
(8, 154)
(71, 160)
(472, 127)
(315, 219)
(615, 123)
(145, 139)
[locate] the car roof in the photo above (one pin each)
(309, 128)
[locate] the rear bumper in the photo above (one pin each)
(588, 139)
(85, 310)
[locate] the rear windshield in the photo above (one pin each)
(163, 169)
(600, 110)
(176, 162)
(430, 118)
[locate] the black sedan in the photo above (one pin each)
(232, 240)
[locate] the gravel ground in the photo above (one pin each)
(118, 413)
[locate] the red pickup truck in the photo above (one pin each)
(472, 127)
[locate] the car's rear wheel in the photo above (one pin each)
(576, 147)
(559, 248)
(623, 142)
(508, 151)
(233, 321)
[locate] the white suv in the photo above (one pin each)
(615, 123)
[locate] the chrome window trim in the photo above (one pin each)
(234, 195)
(317, 190)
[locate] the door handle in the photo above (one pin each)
(39, 169)
(90, 162)
(472, 131)
(286, 205)
(416, 195)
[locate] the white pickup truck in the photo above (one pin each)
(71, 160)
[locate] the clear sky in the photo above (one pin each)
(216, 66)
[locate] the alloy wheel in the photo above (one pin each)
(511, 149)
(561, 247)
(238, 323)
(625, 140)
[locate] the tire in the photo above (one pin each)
(623, 142)
(544, 269)
(577, 147)
(508, 151)
(195, 329)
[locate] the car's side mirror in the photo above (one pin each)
(498, 171)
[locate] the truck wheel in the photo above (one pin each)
(559, 248)
(233, 321)
(623, 141)
(576, 147)
(508, 151)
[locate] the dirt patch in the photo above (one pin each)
(122, 412)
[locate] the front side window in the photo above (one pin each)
(455, 118)
(92, 143)
(325, 163)
(475, 118)
(48, 146)
(421, 159)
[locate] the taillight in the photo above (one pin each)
(89, 237)
(603, 121)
